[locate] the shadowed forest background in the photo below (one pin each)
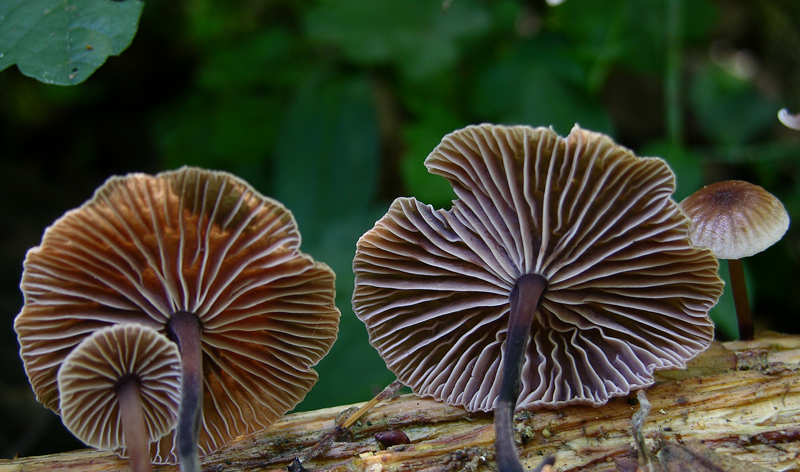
(331, 106)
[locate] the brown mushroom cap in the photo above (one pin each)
(145, 247)
(627, 292)
(89, 376)
(735, 219)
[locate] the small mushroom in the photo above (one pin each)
(120, 387)
(562, 274)
(736, 219)
(201, 257)
(789, 120)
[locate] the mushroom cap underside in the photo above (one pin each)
(90, 375)
(627, 292)
(192, 240)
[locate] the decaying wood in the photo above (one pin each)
(741, 399)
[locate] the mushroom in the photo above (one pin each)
(789, 120)
(736, 219)
(563, 273)
(200, 256)
(120, 388)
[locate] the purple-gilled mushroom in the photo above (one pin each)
(201, 257)
(563, 273)
(736, 219)
(120, 387)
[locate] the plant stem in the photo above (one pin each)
(341, 425)
(739, 288)
(387, 392)
(525, 299)
(184, 329)
(672, 93)
(133, 425)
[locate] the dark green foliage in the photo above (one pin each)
(540, 81)
(331, 106)
(415, 36)
(61, 42)
(729, 108)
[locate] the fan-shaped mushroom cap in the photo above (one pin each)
(627, 293)
(735, 219)
(189, 240)
(89, 376)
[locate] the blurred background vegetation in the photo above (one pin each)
(331, 106)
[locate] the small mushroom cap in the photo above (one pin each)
(89, 376)
(789, 120)
(627, 292)
(735, 219)
(145, 247)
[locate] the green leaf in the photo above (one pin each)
(233, 130)
(421, 136)
(63, 42)
(327, 152)
(326, 172)
(539, 84)
(230, 118)
(266, 59)
(416, 34)
(729, 109)
(630, 34)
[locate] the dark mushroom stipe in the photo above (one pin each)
(738, 286)
(184, 329)
(548, 460)
(525, 299)
(133, 425)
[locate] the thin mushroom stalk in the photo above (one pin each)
(133, 425)
(184, 329)
(525, 300)
(736, 219)
(740, 301)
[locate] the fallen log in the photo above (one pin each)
(740, 399)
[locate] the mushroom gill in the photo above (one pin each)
(563, 259)
(120, 387)
(200, 256)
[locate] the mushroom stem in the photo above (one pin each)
(525, 299)
(740, 301)
(133, 425)
(184, 329)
